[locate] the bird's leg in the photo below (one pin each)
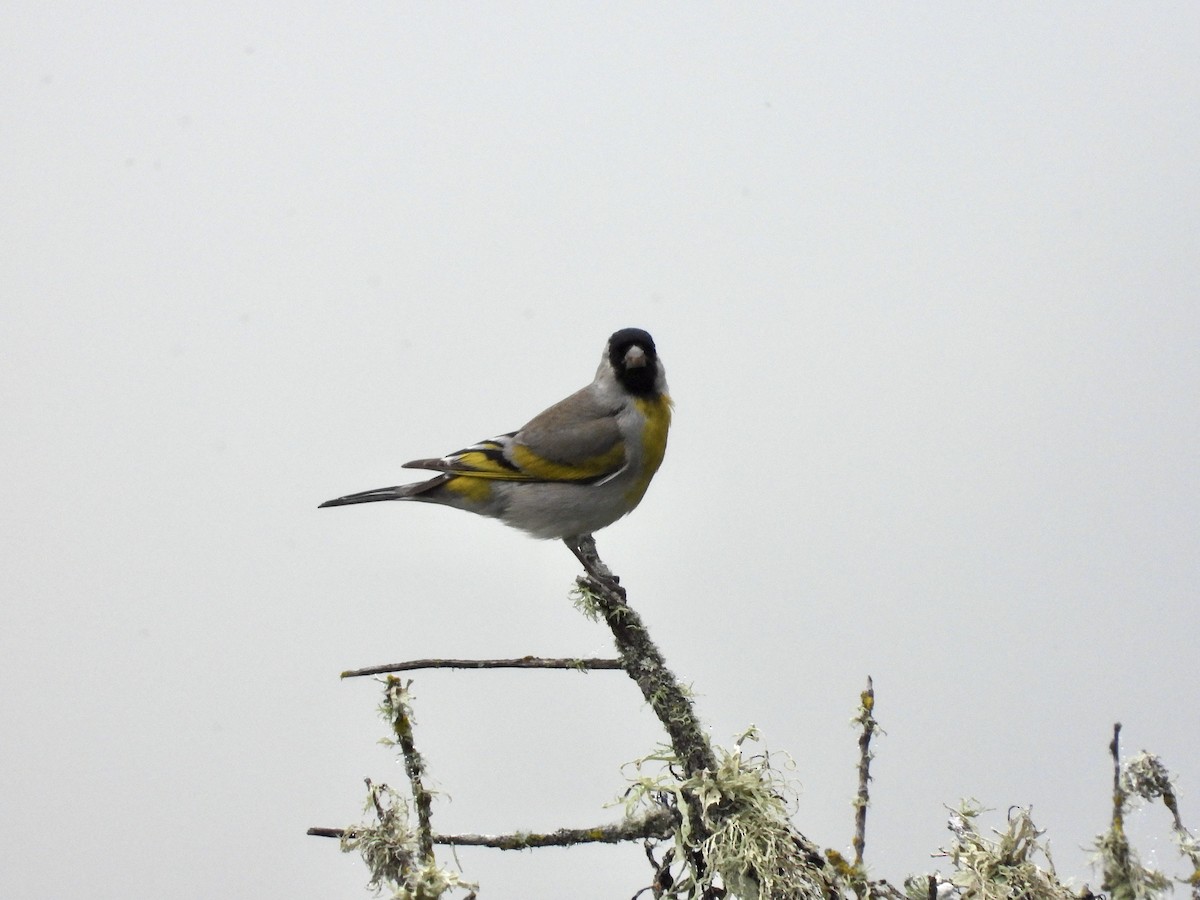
(584, 548)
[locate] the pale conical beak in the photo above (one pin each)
(387, 493)
(635, 357)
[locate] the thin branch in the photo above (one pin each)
(1172, 805)
(707, 809)
(866, 720)
(657, 824)
(328, 832)
(524, 662)
(396, 704)
(1118, 815)
(645, 664)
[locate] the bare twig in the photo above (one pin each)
(327, 832)
(663, 879)
(524, 662)
(1172, 806)
(655, 824)
(1118, 814)
(866, 721)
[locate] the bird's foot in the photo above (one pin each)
(584, 548)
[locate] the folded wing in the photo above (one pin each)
(576, 442)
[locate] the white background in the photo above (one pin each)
(925, 282)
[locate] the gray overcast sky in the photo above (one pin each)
(925, 282)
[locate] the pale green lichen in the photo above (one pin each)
(390, 847)
(585, 600)
(736, 820)
(1143, 777)
(1001, 869)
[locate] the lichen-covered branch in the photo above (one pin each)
(1147, 777)
(1125, 878)
(523, 662)
(655, 824)
(853, 874)
(396, 709)
(999, 869)
(734, 836)
(392, 850)
(1143, 777)
(866, 721)
(644, 663)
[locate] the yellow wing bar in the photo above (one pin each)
(488, 460)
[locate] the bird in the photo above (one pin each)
(573, 469)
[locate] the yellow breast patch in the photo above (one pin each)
(657, 412)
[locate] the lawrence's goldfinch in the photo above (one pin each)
(574, 468)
